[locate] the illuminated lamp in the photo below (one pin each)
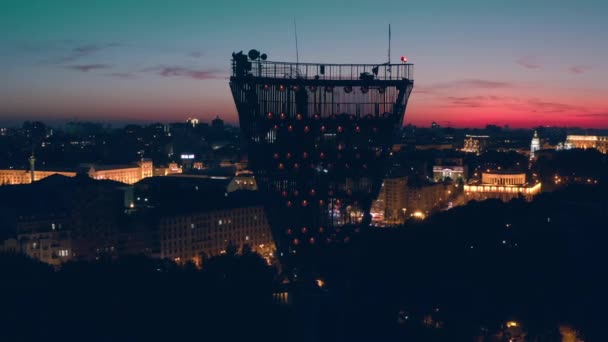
(289, 231)
(290, 128)
(266, 86)
(312, 240)
(348, 89)
(321, 229)
(358, 129)
(288, 203)
(329, 89)
(281, 166)
(295, 88)
(404, 59)
(321, 203)
(304, 203)
(312, 88)
(282, 116)
(296, 192)
(323, 128)
(340, 129)
(322, 155)
(284, 193)
(276, 156)
(275, 127)
(304, 155)
(281, 87)
(364, 89)
(312, 192)
(304, 230)
(306, 129)
(269, 115)
(288, 155)
(296, 166)
(317, 116)
(296, 241)
(299, 116)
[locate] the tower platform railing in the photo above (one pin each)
(319, 71)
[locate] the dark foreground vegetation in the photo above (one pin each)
(458, 276)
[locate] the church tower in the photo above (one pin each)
(535, 145)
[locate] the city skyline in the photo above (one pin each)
(515, 64)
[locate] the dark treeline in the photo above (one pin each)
(473, 268)
(139, 299)
(459, 275)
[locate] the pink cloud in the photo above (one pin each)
(88, 67)
(529, 62)
(179, 71)
(579, 69)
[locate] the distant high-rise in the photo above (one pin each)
(317, 136)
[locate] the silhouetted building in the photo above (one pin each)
(317, 136)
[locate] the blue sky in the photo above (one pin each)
(521, 63)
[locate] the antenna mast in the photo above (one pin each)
(295, 29)
(389, 44)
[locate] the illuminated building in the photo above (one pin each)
(128, 174)
(389, 207)
(317, 137)
(475, 143)
(451, 168)
(600, 143)
(243, 180)
(172, 168)
(502, 185)
(193, 121)
(52, 247)
(193, 236)
(535, 145)
(421, 198)
(400, 199)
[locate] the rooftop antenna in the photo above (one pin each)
(295, 29)
(389, 44)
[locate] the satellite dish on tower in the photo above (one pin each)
(253, 54)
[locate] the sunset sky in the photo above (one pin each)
(521, 63)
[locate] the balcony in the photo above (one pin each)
(317, 71)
